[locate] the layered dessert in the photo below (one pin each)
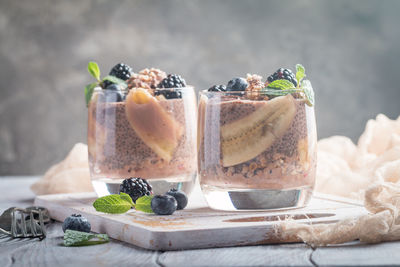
(142, 125)
(257, 136)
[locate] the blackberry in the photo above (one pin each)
(164, 205)
(76, 222)
(168, 94)
(282, 73)
(172, 81)
(135, 188)
(237, 84)
(180, 197)
(121, 71)
(217, 88)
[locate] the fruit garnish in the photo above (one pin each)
(164, 204)
(237, 84)
(285, 87)
(172, 81)
(141, 96)
(152, 123)
(120, 71)
(168, 94)
(135, 188)
(76, 222)
(246, 138)
(217, 88)
(94, 70)
(180, 197)
(282, 74)
(76, 239)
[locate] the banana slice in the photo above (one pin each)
(157, 129)
(246, 138)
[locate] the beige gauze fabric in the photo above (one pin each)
(69, 176)
(370, 170)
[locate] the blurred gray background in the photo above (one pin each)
(351, 51)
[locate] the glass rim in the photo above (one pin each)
(99, 88)
(205, 91)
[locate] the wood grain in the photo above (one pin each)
(356, 254)
(209, 228)
(275, 255)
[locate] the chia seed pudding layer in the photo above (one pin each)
(290, 162)
(116, 151)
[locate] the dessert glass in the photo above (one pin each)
(254, 151)
(142, 136)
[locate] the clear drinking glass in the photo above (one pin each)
(140, 135)
(256, 151)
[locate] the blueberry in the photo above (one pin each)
(237, 84)
(180, 197)
(113, 93)
(76, 222)
(164, 205)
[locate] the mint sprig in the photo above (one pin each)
(89, 92)
(279, 92)
(300, 74)
(94, 70)
(117, 204)
(285, 87)
(144, 204)
(308, 92)
(76, 239)
(114, 204)
(281, 84)
(127, 198)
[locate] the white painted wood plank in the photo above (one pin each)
(50, 252)
(356, 254)
(210, 228)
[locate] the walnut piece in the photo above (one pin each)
(146, 78)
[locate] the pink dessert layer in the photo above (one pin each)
(290, 162)
(116, 151)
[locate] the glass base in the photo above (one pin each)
(256, 199)
(107, 186)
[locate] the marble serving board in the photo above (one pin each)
(197, 226)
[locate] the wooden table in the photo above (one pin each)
(14, 191)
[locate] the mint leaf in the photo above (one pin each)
(75, 238)
(144, 204)
(127, 198)
(300, 73)
(115, 80)
(265, 91)
(113, 204)
(308, 92)
(281, 84)
(94, 70)
(89, 92)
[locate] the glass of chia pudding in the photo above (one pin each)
(257, 142)
(142, 125)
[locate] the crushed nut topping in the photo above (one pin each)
(146, 78)
(255, 83)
